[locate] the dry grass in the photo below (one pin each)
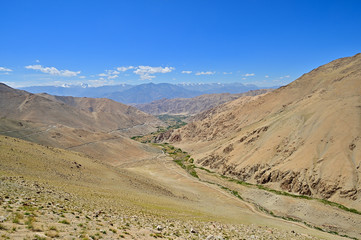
(45, 195)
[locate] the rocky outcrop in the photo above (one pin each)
(303, 183)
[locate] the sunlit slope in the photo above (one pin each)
(304, 137)
(97, 127)
(54, 185)
(87, 113)
(111, 115)
(110, 148)
(192, 106)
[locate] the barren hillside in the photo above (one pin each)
(192, 106)
(303, 138)
(48, 193)
(88, 113)
(111, 115)
(97, 127)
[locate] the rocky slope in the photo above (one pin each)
(303, 138)
(192, 106)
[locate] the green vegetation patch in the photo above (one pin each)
(182, 158)
(172, 122)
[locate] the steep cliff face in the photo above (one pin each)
(303, 138)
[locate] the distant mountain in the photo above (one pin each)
(149, 92)
(77, 91)
(192, 106)
(210, 88)
(143, 93)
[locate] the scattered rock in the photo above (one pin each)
(40, 236)
(352, 146)
(2, 219)
(37, 227)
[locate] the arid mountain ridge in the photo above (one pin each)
(110, 114)
(98, 127)
(192, 106)
(303, 138)
(89, 113)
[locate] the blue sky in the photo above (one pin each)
(266, 42)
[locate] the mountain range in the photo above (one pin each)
(143, 93)
(192, 106)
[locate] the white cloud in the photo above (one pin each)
(53, 71)
(3, 69)
(152, 70)
(225, 73)
(82, 77)
(287, 76)
(205, 73)
(249, 75)
(37, 60)
(123, 69)
(187, 72)
(266, 76)
(110, 74)
(146, 72)
(67, 73)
